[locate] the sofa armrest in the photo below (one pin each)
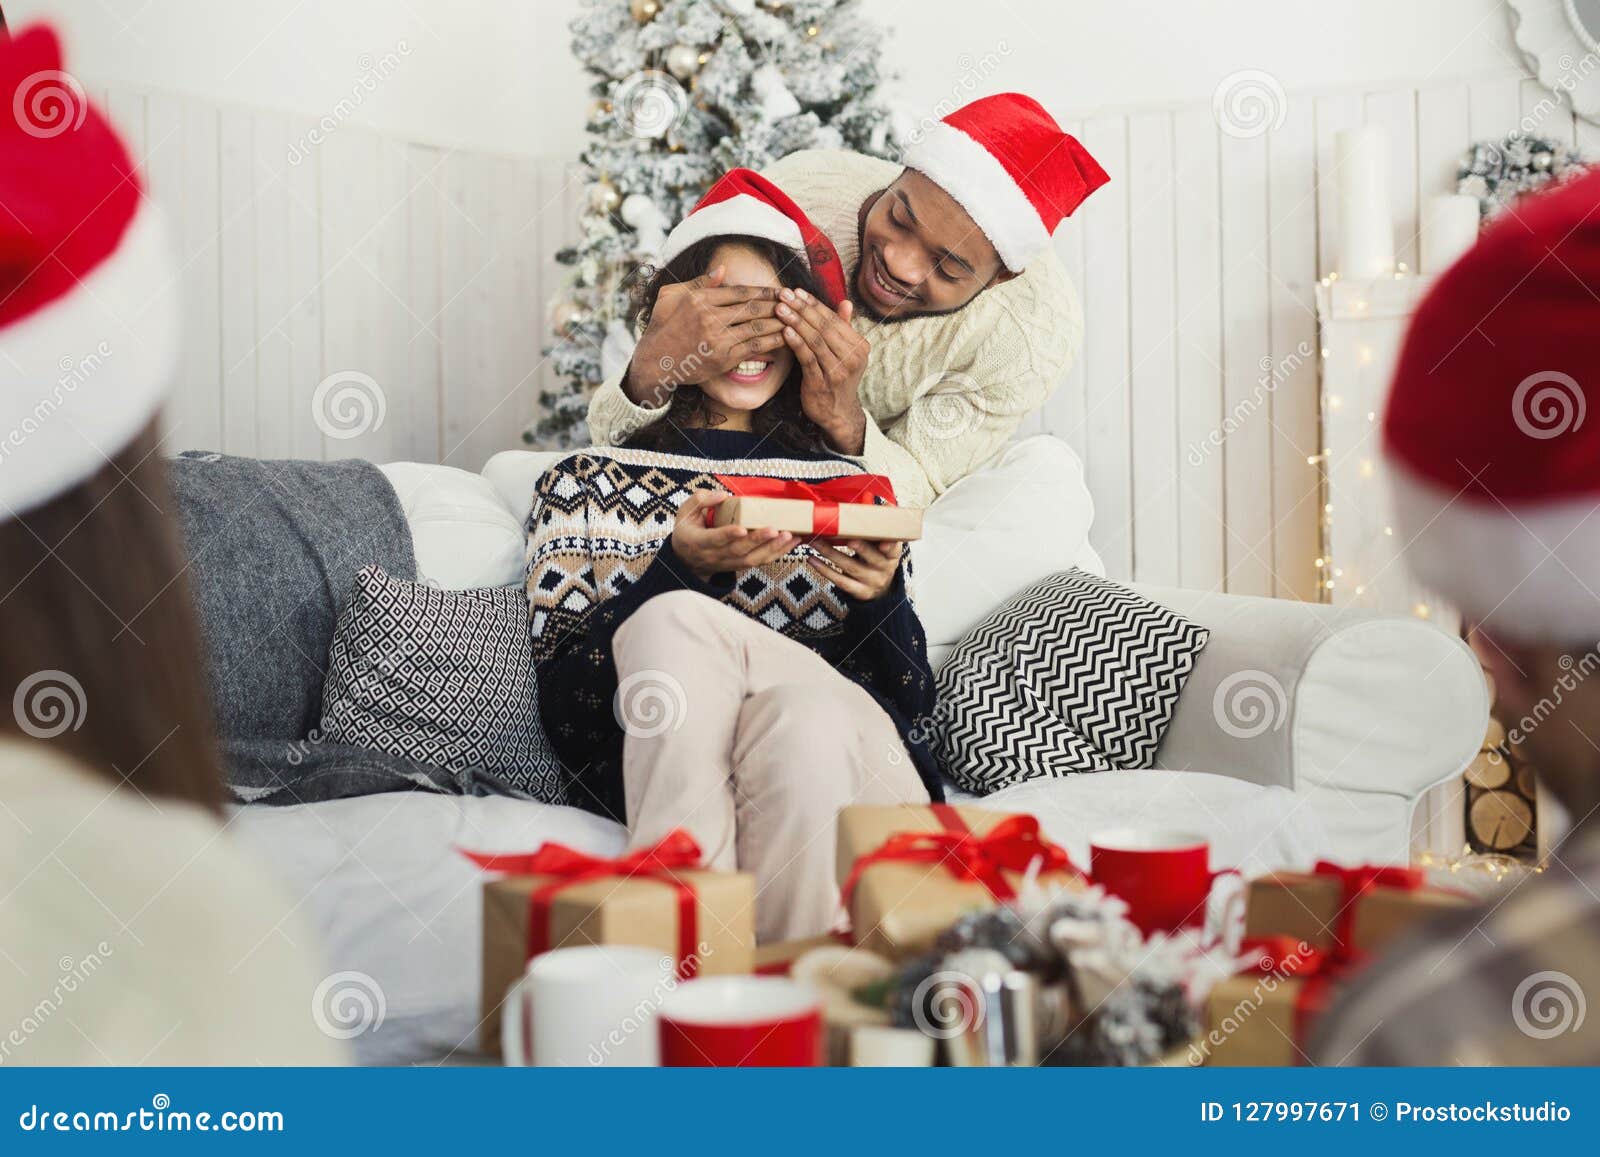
(1330, 701)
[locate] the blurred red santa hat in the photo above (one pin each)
(88, 324)
(1490, 429)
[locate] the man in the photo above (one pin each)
(961, 320)
(1493, 429)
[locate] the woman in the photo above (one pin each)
(133, 932)
(742, 684)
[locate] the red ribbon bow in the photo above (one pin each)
(1354, 883)
(1010, 846)
(1321, 969)
(1291, 959)
(825, 497)
(569, 866)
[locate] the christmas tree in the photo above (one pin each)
(685, 90)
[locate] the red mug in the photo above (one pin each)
(1165, 877)
(741, 1022)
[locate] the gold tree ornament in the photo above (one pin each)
(568, 316)
(645, 11)
(604, 197)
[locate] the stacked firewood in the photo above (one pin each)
(1500, 798)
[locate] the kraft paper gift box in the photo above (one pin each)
(778, 957)
(850, 506)
(910, 888)
(637, 910)
(1309, 932)
(797, 515)
(1368, 906)
(1263, 1016)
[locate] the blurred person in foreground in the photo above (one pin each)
(132, 931)
(1493, 434)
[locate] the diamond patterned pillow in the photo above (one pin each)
(441, 677)
(1075, 674)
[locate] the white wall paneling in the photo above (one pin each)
(1193, 405)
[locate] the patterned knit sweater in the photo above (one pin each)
(945, 393)
(599, 546)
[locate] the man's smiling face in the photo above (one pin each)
(921, 253)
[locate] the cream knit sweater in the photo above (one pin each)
(134, 932)
(945, 392)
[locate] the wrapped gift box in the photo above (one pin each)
(778, 957)
(610, 910)
(898, 907)
(1312, 906)
(1263, 1016)
(1309, 931)
(798, 515)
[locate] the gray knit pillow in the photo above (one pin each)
(441, 677)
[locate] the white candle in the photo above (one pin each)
(1366, 225)
(1449, 229)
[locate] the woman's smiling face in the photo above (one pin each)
(752, 383)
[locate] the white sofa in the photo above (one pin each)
(1356, 713)
(1304, 731)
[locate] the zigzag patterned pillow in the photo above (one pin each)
(1075, 674)
(441, 677)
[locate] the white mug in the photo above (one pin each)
(593, 1005)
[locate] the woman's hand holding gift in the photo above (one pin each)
(832, 358)
(866, 573)
(715, 550)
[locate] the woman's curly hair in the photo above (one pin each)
(781, 420)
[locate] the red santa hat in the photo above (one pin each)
(1009, 165)
(1492, 437)
(88, 331)
(744, 203)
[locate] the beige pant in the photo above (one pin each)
(753, 743)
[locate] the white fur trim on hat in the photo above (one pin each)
(83, 375)
(1530, 572)
(744, 215)
(980, 184)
